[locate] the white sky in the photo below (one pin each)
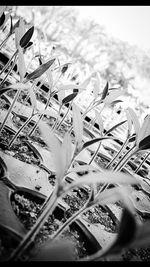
(128, 23)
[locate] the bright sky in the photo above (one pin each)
(128, 23)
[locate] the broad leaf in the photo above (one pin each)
(105, 91)
(32, 97)
(2, 9)
(144, 130)
(126, 233)
(66, 151)
(91, 142)
(109, 177)
(39, 71)
(134, 119)
(2, 19)
(69, 98)
(61, 96)
(26, 37)
(77, 125)
(145, 143)
(54, 146)
(114, 127)
(112, 96)
(21, 64)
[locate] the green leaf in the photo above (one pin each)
(28, 45)
(114, 127)
(91, 142)
(145, 143)
(105, 91)
(144, 130)
(77, 125)
(112, 96)
(39, 71)
(26, 37)
(69, 98)
(135, 120)
(66, 150)
(21, 64)
(126, 233)
(2, 19)
(54, 146)
(100, 121)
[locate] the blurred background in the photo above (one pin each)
(111, 40)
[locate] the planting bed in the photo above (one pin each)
(28, 178)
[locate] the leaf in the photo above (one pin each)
(77, 125)
(39, 71)
(61, 96)
(49, 78)
(82, 168)
(15, 26)
(105, 177)
(28, 45)
(112, 96)
(91, 142)
(26, 37)
(69, 98)
(19, 32)
(2, 9)
(100, 121)
(145, 143)
(4, 90)
(2, 19)
(66, 151)
(116, 101)
(144, 130)
(126, 233)
(114, 127)
(132, 138)
(32, 97)
(142, 237)
(21, 64)
(54, 146)
(129, 120)
(56, 250)
(134, 119)
(105, 91)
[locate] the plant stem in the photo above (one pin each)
(9, 61)
(21, 128)
(118, 153)
(9, 71)
(48, 209)
(57, 127)
(9, 111)
(126, 157)
(142, 163)
(72, 218)
(95, 154)
(5, 40)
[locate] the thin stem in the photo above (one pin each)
(9, 61)
(57, 127)
(142, 163)
(118, 153)
(5, 40)
(95, 154)
(9, 71)
(126, 157)
(9, 111)
(21, 128)
(72, 218)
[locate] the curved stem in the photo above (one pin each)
(21, 128)
(9, 111)
(118, 153)
(142, 163)
(57, 127)
(9, 61)
(4, 41)
(95, 154)
(9, 71)
(126, 157)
